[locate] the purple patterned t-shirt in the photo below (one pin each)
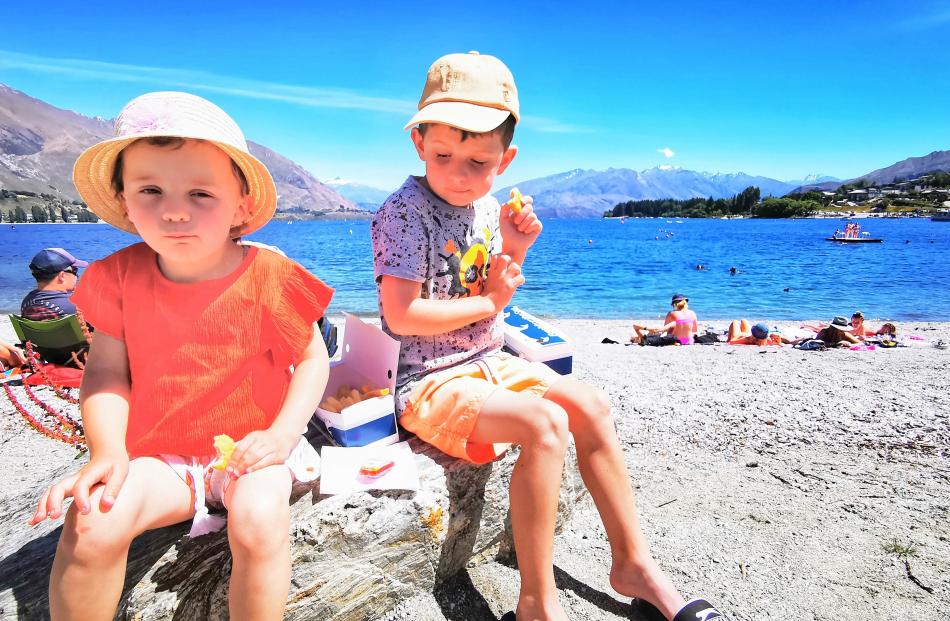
(419, 237)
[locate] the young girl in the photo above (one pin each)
(195, 337)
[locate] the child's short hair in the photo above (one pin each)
(506, 130)
(172, 142)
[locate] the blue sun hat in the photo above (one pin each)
(760, 331)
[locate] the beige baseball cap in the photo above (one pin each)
(472, 92)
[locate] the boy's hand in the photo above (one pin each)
(109, 471)
(504, 278)
(260, 449)
(519, 229)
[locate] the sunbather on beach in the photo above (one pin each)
(862, 331)
(196, 336)
(680, 326)
(837, 333)
(447, 261)
(741, 332)
(685, 324)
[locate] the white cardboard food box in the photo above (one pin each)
(369, 357)
(535, 340)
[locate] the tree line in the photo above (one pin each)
(746, 203)
(52, 208)
(37, 213)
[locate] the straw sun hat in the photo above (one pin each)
(178, 115)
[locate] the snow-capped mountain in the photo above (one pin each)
(582, 193)
(814, 179)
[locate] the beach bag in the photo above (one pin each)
(812, 345)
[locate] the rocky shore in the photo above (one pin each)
(777, 483)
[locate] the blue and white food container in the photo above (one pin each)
(537, 341)
(369, 357)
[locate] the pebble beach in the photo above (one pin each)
(774, 482)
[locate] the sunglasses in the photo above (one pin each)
(72, 269)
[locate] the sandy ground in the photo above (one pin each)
(777, 483)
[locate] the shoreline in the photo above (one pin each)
(769, 480)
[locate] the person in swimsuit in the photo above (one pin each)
(680, 326)
(685, 324)
(861, 331)
(838, 333)
(742, 333)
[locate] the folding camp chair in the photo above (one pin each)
(60, 341)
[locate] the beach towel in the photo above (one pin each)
(55, 375)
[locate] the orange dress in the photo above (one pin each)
(204, 358)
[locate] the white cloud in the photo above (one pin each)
(202, 81)
(314, 97)
(667, 152)
(665, 167)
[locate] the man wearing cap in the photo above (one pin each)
(56, 272)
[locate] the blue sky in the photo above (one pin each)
(782, 89)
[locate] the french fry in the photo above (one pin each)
(346, 396)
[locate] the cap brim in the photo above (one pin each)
(461, 115)
(78, 263)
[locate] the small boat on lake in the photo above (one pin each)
(856, 240)
(941, 216)
(852, 234)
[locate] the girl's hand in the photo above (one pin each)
(109, 471)
(519, 230)
(260, 449)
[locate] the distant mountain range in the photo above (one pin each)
(39, 143)
(910, 168)
(365, 197)
(589, 193)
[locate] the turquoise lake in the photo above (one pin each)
(605, 269)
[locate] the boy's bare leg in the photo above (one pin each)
(633, 571)
(259, 534)
(89, 568)
(541, 428)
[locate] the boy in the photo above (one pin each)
(447, 260)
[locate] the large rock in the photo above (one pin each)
(354, 557)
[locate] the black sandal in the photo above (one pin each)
(698, 610)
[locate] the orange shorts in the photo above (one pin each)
(444, 406)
